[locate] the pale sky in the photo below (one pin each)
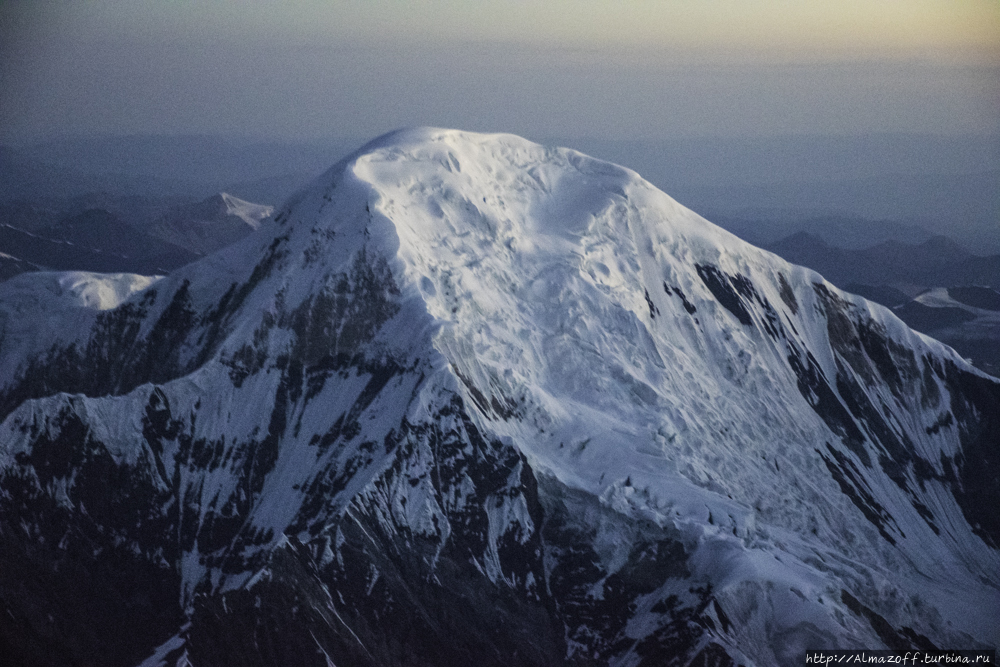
(586, 68)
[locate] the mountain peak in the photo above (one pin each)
(223, 205)
(213, 223)
(250, 213)
(526, 201)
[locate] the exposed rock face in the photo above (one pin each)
(469, 400)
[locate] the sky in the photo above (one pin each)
(607, 69)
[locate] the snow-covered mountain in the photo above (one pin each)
(471, 400)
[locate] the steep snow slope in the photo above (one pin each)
(467, 397)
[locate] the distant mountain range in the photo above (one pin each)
(157, 239)
(845, 232)
(960, 202)
(204, 227)
(937, 287)
(26, 178)
(94, 240)
(938, 261)
(188, 166)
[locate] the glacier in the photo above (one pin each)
(467, 399)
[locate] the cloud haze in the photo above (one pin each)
(587, 68)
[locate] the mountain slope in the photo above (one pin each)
(470, 399)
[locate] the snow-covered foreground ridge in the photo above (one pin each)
(471, 398)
